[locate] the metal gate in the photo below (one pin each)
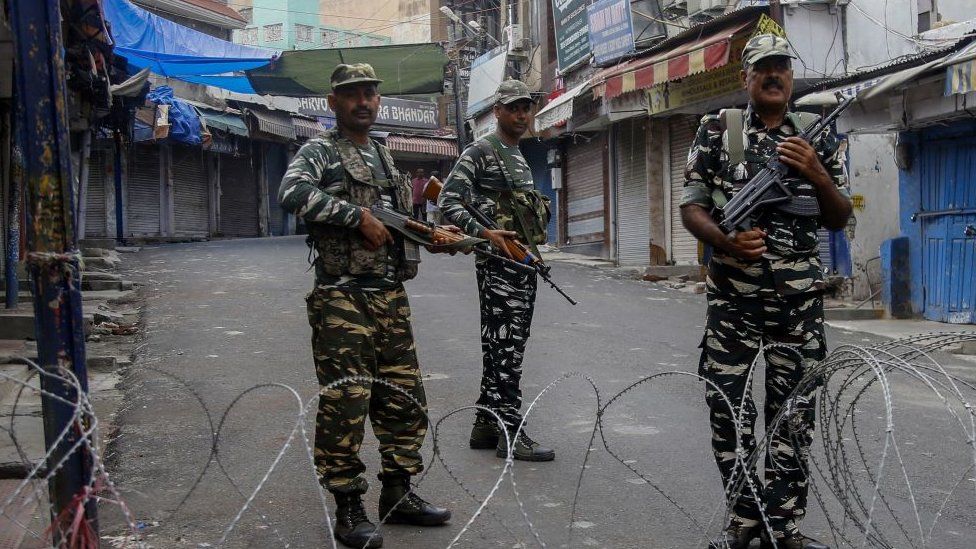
(191, 207)
(632, 210)
(584, 191)
(95, 207)
(142, 191)
(681, 132)
(948, 218)
(238, 197)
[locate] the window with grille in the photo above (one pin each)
(303, 33)
(249, 36)
(331, 38)
(273, 33)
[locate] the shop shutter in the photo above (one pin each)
(95, 207)
(633, 212)
(584, 191)
(191, 206)
(238, 197)
(142, 191)
(681, 130)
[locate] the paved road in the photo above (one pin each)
(225, 317)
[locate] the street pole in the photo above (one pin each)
(12, 230)
(53, 260)
(776, 11)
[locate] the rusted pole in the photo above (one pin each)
(12, 230)
(53, 259)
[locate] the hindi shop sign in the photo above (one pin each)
(393, 112)
(611, 30)
(572, 35)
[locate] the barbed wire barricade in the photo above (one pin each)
(861, 474)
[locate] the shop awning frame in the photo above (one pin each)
(434, 146)
(305, 127)
(273, 123)
(559, 109)
(225, 121)
(707, 53)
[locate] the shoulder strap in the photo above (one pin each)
(732, 123)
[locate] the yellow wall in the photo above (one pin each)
(405, 21)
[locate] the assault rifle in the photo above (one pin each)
(767, 189)
(429, 234)
(518, 251)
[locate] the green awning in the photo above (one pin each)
(227, 122)
(406, 69)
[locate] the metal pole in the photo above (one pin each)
(82, 204)
(776, 11)
(119, 210)
(13, 208)
(458, 117)
(53, 261)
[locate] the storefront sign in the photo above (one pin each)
(487, 72)
(393, 112)
(767, 25)
(572, 35)
(484, 125)
(611, 30)
(699, 87)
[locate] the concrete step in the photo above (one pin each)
(19, 324)
(100, 275)
(846, 313)
(101, 263)
(90, 285)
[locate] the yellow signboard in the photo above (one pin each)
(766, 25)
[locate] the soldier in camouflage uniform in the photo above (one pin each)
(764, 288)
(493, 176)
(359, 312)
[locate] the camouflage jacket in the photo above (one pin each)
(480, 179)
(327, 184)
(791, 264)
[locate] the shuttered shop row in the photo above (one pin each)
(96, 224)
(191, 205)
(584, 191)
(238, 197)
(142, 192)
(632, 211)
(681, 132)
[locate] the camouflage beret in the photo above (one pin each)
(511, 91)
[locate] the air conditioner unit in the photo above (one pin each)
(676, 8)
(702, 10)
(514, 35)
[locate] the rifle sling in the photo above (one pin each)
(508, 168)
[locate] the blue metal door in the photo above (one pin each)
(948, 202)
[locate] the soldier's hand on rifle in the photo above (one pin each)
(498, 239)
(796, 153)
(373, 231)
(747, 245)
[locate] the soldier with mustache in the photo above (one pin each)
(359, 312)
(765, 287)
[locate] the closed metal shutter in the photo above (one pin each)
(190, 191)
(633, 211)
(238, 197)
(142, 191)
(584, 191)
(95, 207)
(826, 258)
(681, 130)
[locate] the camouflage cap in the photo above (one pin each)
(353, 74)
(511, 91)
(762, 46)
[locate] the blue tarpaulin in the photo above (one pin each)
(183, 118)
(169, 49)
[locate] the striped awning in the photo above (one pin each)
(306, 127)
(706, 53)
(272, 123)
(559, 109)
(961, 71)
(434, 146)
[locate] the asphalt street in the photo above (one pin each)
(227, 343)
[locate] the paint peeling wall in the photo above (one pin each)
(874, 188)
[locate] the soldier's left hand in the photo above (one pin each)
(796, 153)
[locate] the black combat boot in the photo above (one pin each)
(410, 508)
(524, 448)
(353, 528)
(484, 434)
(736, 536)
(793, 541)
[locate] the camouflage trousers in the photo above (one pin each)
(365, 333)
(507, 301)
(735, 328)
